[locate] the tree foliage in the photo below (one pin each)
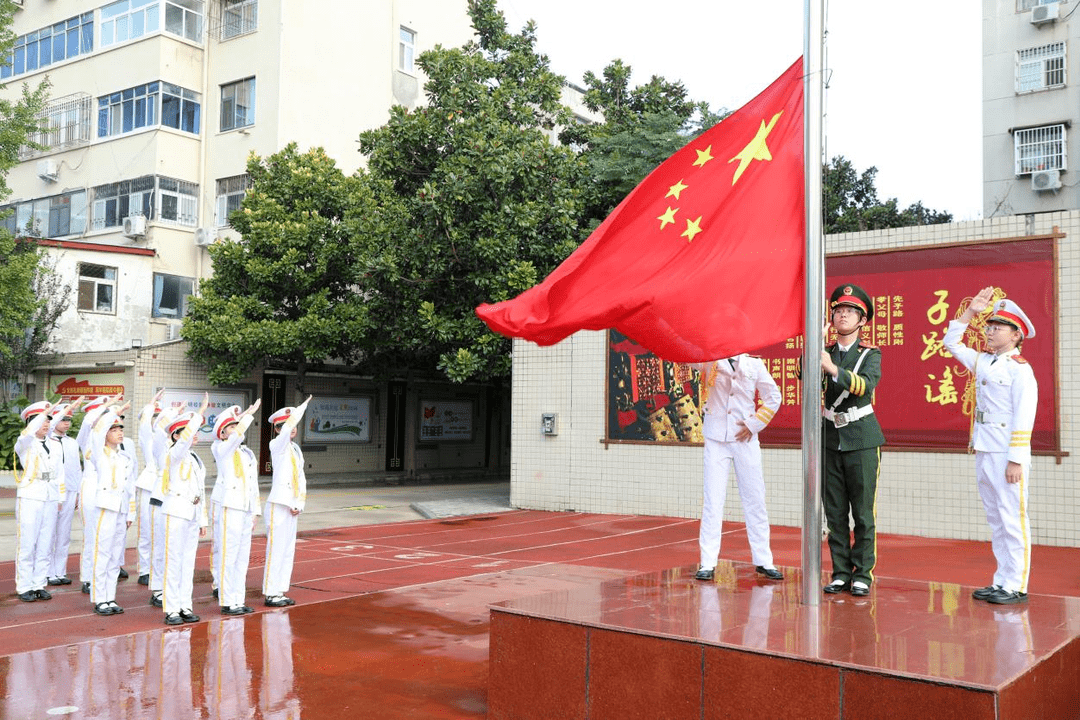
(850, 202)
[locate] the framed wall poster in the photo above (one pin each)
(446, 420)
(191, 400)
(339, 419)
(70, 385)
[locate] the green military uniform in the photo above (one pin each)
(852, 453)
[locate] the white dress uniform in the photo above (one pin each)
(71, 461)
(184, 508)
(731, 386)
(236, 494)
(89, 478)
(1006, 398)
(144, 487)
(288, 492)
(37, 496)
(110, 509)
(157, 517)
(129, 513)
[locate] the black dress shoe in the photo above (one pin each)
(173, 619)
(63, 580)
(155, 600)
(123, 574)
(277, 601)
(55, 581)
(103, 608)
(215, 593)
(189, 617)
(705, 574)
(115, 608)
(1001, 596)
(144, 579)
(86, 588)
(836, 586)
(771, 573)
(43, 594)
(985, 592)
(232, 610)
(28, 596)
(860, 590)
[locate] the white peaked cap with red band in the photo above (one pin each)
(1008, 312)
(180, 422)
(281, 415)
(60, 409)
(95, 403)
(36, 409)
(229, 416)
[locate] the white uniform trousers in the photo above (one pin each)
(62, 536)
(1006, 506)
(86, 551)
(280, 548)
(215, 546)
(35, 525)
(719, 458)
(102, 567)
(119, 540)
(232, 551)
(144, 520)
(157, 548)
(181, 544)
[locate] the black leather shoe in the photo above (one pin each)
(173, 619)
(234, 610)
(115, 608)
(55, 581)
(277, 601)
(104, 608)
(703, 574)
(123, 574)
(771, 573)
(155, 600)
(63, 580)
(28, 596)
(189, 617)
(86, 588)
(215, 593)
(836, 586)
(144, 579)
(985, 592)
(43, 594)
(860, 590)
(1001, 596)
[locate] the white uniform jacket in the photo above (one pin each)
(237, 485)
(183, 482)
(289, 487)
(70, 458)
(1006, 398)
(111, 472)
(159, 449)
(147, 479)
(41, 477)
(730, 396)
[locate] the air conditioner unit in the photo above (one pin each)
(205, 236)
(1045, 13)
(48, 170)
(134, 226)
(1046, 180)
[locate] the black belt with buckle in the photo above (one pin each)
(155, 502)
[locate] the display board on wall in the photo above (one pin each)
(925, 398)
(339, 419)
(89, 384)
(191, 400)
(446, 420)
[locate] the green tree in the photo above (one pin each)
(288, 292)
(850, 202)
(490, 203)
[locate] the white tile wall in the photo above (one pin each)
(927, 494)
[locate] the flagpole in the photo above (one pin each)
(813, 110)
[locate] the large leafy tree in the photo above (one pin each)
(851, 203)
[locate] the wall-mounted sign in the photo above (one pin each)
(444, 420)
(71, 385)
(338, 420)
(191, 400)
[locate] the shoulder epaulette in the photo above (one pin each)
(868, 347)
(1020, 359)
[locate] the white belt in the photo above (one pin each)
(840, 419)
(992, 418)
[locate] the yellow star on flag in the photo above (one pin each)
(693, 227)
(675, 189)
(703, 156)
(668, 217)
(756, 149)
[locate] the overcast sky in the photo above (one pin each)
(904, 93)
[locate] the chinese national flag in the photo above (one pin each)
(703, 259)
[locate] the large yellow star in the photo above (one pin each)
(668, 217)
(675, 189)
(703, 156)
(756, 149)
(693, 227)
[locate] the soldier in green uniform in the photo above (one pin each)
(853, 440)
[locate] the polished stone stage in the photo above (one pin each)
(663, 645)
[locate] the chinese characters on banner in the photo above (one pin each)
(925, 399)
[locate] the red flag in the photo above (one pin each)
(704, 258)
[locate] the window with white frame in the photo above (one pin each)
(152, 104)
(1040, 68)
(230, 193)
(1022, 5)
(128, 20)
(115, 201)
(171, 293)
(1040, 148)
(406, 50)
(63, 123)
(238, 17)
(184, 18)
(50, 217)
(238, 104)
(178, 202)
(49, 45)
(97, 288)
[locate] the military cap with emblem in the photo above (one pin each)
(853, 296)
(35, 409)
(229, 417)
(1009, 313)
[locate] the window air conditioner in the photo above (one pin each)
(48, 171)
(205, 236)
(1045, 180)
(1044, 13)
(134, 226)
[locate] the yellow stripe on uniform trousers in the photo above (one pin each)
(1024, 530)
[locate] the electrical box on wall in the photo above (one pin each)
(549, 423)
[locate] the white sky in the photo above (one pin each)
(904, 93)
